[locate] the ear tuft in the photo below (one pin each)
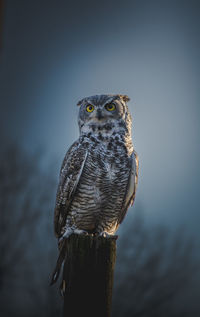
(80, 102)
(125, 98)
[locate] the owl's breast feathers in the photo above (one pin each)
(98, 180)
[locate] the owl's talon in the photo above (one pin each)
(105, 235)
(79, 231)
(66, 234)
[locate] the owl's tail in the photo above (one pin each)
(59, 262)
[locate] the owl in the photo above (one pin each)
(98, 176)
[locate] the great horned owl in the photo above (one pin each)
(98, 176)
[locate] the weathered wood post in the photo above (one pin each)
(88, 275)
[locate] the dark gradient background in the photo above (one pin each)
(54, 53)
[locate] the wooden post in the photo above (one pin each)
(88, 275)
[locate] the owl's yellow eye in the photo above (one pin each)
(90, 108)
(110, 107)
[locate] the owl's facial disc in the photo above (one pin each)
(105, 113)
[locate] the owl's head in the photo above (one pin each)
(105, 113)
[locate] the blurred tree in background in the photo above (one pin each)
(27, 246)
(154, 267)
(154, 270)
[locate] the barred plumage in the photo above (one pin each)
(99, 173)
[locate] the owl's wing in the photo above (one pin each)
(70, 174)
(131, 186)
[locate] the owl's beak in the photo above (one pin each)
(99, 114)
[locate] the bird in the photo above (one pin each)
(99, 174)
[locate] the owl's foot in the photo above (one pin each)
(79, 231)
(66, 234)
(71, 230)
(105, 234)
